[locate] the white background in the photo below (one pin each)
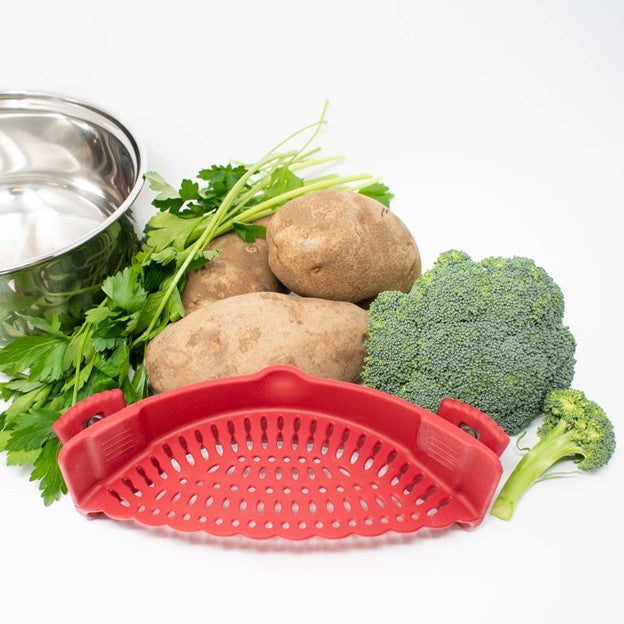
(499, 127)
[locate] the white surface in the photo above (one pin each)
(499, 127)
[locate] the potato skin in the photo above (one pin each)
(240, 268)
(341, 245)
(243, 334)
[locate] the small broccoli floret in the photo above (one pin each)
(586, 425)
(574, 428)
(489, 333)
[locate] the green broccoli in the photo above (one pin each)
(489, 333)
(574, 427)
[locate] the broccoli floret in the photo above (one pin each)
(574, 427)
(489, 333)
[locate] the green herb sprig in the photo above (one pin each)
(53, 369)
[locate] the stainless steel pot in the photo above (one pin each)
(69, 173)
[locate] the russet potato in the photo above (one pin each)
(239, 268)
(341, 245)
(245, 333)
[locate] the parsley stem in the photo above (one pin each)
(258, 186)
(311, 138)
(303, 156)
(316, 125)
(266, 179)
(304, 164)
(295, 134)
(268, 207)
(69, 293)
(311, 152)
(357, 187)
(315, 186)
(329, 176)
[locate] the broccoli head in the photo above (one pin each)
(489, 333)
(574, 428)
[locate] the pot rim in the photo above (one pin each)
(139, 154)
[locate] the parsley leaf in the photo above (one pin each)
(43, 355)
(18, 385)
(19, 458)
(203, 258)
(23, 402)
(248, 232)
(33, 429)
(175, 308)
(159, 267)
(117, 364)
(80, 379)
(99, 314)
(189, 190)
(164, 257)
(47, 472)
(173, 204)
(53, 327)
(192, 201)
(97, 382)
(378, 191)
(168, 198)
(101, 343)
(161, 186)
(153, 302)
(166, 229)
(282, 181)
(136, 388)
(221, 178)
(124, 291)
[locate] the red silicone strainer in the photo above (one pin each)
(280, 453)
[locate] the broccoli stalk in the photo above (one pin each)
(574, 427)
(557, 445)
